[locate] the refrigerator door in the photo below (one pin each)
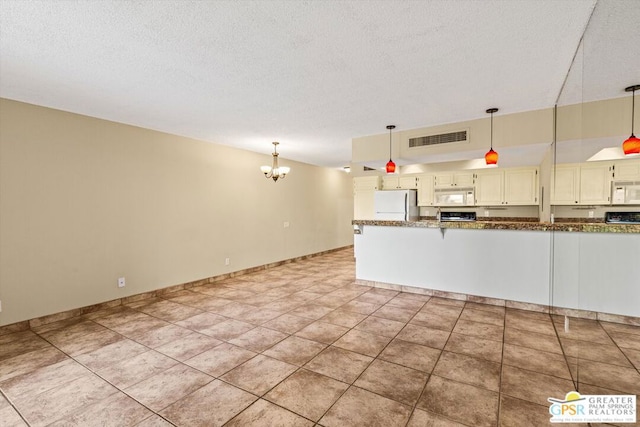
(391, 201)
(388, 216)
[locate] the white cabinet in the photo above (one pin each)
(595, 183)
(397, 182)
(453, 179)
(627, 170)
(582, 184)
(425, 190)
(521, 186)
(565, 181)
(516, 186)
(364, 189)
(489, 187)
(364, 183)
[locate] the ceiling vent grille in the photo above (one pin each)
(444, 138)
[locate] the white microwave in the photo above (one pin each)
(625, 193)
(454, 197)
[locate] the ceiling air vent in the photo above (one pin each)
(367, 168)
(443, 138)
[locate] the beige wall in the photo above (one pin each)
(596, 120)
(518, 129)
(84, 201)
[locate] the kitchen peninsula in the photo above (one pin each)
(581, 269)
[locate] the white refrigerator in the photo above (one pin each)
(396, 205)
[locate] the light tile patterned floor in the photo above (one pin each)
(302, 345)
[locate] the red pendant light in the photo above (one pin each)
(491, 158)
(391, 167)
(632, 144)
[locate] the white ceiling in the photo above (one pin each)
(310, 74)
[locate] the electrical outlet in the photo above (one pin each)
(286, 224)
(227, 261)
(486, 212)
(590, 214)
(121, 282)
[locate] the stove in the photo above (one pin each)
(457, 216)
(622, 218)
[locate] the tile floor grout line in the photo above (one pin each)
(367, 367)
(121, 390)
(504, 336)
(4, 394)
(424, 388)
(575, 380)
(618, 347)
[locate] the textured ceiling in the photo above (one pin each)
(310, 74)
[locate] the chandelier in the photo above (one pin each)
(274, 171)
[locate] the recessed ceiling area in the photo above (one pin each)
(310, 74)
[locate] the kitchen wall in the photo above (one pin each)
(521, 139)
(84, 201)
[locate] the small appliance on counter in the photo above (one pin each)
(457, 216)
(396, 205)
(622, 218)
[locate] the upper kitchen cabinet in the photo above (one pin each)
(595, 183)
(582, 184)
(521, 186)
(399, 182)
(425, 190)
(627, 170)
(453, 179)
(365, 183)
(565, 181)
(489, 187)
(364, 189)
(517, 186)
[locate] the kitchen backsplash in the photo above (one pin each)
(596, 212)
(487, 212)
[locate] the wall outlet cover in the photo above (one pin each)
(121, 282)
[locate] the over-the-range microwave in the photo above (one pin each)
(454, 197)
(625, 193)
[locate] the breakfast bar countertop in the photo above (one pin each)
(584, 227)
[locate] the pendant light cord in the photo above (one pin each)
(491, 131)
(633, 107)
(390, 141)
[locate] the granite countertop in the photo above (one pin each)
(596, 227)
